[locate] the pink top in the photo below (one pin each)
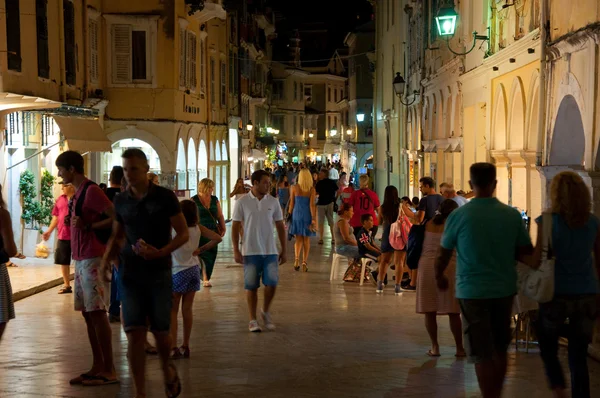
(84, 244)
(363, 201)
(60, 211)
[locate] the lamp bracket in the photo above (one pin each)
(475, 38)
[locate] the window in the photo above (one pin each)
(130, 60)
(308, 91)
(387, 17)
(41, 23)
(93, 31)
(278, 122)
(295, 131)
(202, 66)
(213, 72)
(231, 71)
(335, 93)
(329, 94)
(278, 90)
(301, 125)
(13, 35)
(187, 60)
(223, 80)
(182, 57)
(70, 49)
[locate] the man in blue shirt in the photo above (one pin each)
(488, 237)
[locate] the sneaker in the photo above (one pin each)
(398, 290)
(253, 327)
(267, 320)
(409, 288)
(379, 287)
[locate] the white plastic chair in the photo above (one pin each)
(338, 258)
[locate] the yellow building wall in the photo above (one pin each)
(565, 17)
(469, 149)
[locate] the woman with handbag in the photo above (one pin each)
(575, 245)
(389, 214)
(211, 217)
(430, 300)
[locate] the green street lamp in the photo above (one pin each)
(446, 20)
(446, 26)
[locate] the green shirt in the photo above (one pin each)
(486, 235)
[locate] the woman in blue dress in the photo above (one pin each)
(303, 210)
(283, 191)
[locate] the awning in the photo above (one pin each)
(330, 149)
(257, 154)
(83, 134)
(10, 102)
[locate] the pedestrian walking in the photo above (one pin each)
(90, 213)
(187, 276)
(145, 215)
(258, 212)
(283, 191)
(326, 189)
(488, 237)
(62, 254)
(8, 249)
(575, 244)
(114, 311)
(430, 300)
(430, 202)
(211, 216)
(303, 211)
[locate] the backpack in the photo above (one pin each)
(399, 232)
(101, 234)
(414, 247)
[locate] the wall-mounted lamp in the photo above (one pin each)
(399, 85)
(446, 25)
(333, 132)
(249, 126)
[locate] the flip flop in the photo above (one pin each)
(173, 387)
(20, 256)
(431, 354)
(79, 379)
(11, 264)
(94, 381)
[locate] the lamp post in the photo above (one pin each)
(446, 19)
(399, 86)
(249, 126)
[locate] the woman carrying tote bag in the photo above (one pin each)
(575, 248)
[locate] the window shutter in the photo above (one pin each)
(93, 37)
(41, 12)
(223, 85)
(13, 34)
(182, 60)
(202, 67)
(193, 44)
(69, 43)
(121, 45)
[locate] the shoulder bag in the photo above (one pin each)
(399, 231)
(217, 225)
(538, 284)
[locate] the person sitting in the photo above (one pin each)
(346, 244)
(366, 241)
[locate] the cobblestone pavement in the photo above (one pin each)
(333, 340)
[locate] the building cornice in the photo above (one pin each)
(574, 42)
(454, 67)
(210, 11)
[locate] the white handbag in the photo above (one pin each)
(538, 284)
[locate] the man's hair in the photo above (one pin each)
(483, 175)
(70, 159)
(258, 175)
(365, 217)
(116, 175)
(427, 181)
(134, 153)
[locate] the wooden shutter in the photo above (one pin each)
(121, 51)
(70, 49)
(202, 67)
(94, 58)
(182, 57)
(223, 85)
(41, 19)
(13, 34)
(192, 54)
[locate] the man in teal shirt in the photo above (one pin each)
(488, 237)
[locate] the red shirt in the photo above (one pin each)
(60, 211)
(363, 201)
(84, 244)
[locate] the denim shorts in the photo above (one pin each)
(256, 267)
(486, 326)
(146, 295)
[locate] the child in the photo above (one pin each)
(186, 276)
(366, 241)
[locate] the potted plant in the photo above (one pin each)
(31, 209)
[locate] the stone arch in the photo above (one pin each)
(567, 147)
(181, 165)
(499, 120)
(439, 116)
(202, 159)
(364, 158)
(217, 151)
(192, 165)
(457, 116)
(224, 153)
(533, 108)
(165, 156)
(426, 123)
(448, 117)
(516, 115)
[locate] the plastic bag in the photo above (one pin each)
(41, 250)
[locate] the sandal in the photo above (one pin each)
(431, 354)
(175, 353)
(185, 351)
(20, 256)
(94, 381)
(79, 379)
(65, 290)
(296, 266)
(173, 387)
(304, 266)
(11, 264)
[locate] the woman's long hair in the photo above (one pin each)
(571, 198)
(305, 180)
(391, 204)
(282, 179)
(446, 207)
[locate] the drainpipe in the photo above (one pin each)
(542, 90)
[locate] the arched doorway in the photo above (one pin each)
(192, 170)
(202, 161)
(568, 138)
(225, 188)
(181, 166)
(114, 158)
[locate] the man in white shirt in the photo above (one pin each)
(256, 213)
(448, 192)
